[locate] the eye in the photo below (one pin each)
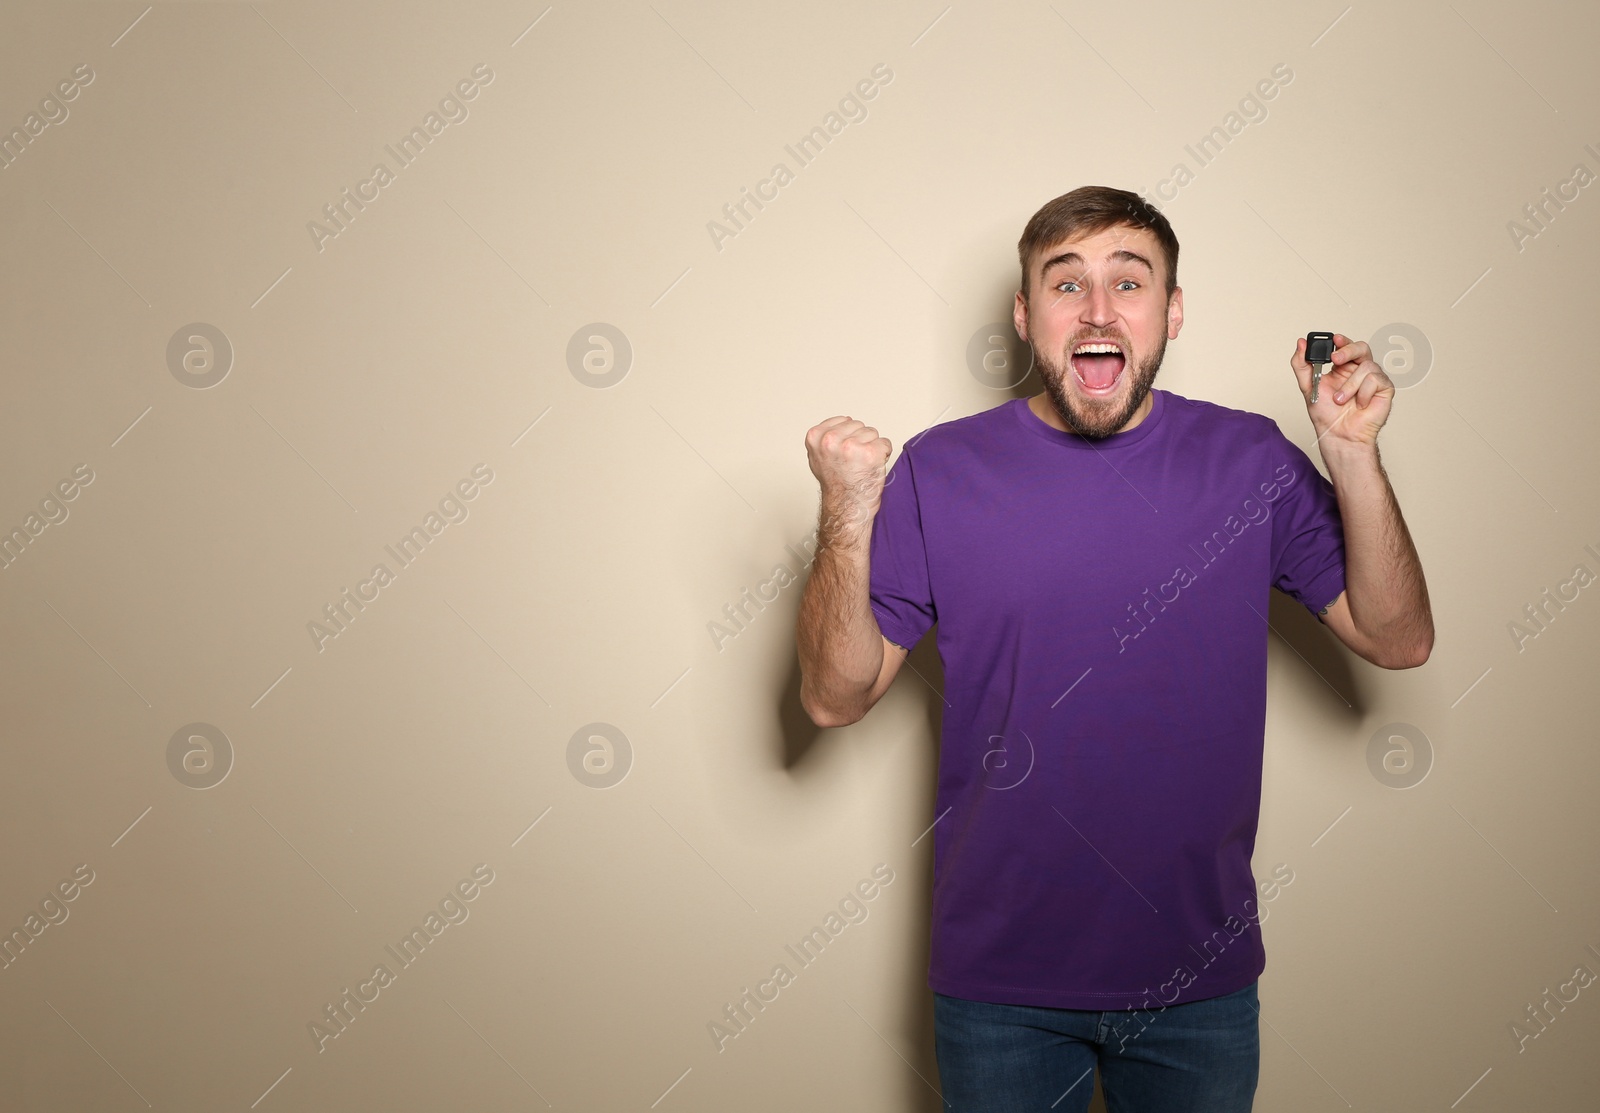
(1128, 282)
(1068, 282)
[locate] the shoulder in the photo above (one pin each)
(964, 433)
(944, 450)
(1238, 429)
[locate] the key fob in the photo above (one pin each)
(1319, 347)
(1319, 351)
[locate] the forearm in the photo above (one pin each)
(841, 646)
(1384, 584)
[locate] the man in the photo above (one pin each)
(1098, 558)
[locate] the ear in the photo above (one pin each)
(1019, 315)
(1175, 313)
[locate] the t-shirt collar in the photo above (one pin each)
(1036, 425)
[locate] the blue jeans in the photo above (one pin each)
(1201, 1056)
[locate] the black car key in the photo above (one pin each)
(1319, 351)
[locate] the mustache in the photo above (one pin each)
(1110, 338)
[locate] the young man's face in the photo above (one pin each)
(1108, 287)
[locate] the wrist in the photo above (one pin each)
(845, 522)
(1337, 452)
(1354, 470)
(849, 503)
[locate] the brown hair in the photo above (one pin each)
(1090, 209)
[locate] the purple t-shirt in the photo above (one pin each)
(1102, 619)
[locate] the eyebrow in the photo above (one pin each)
(1120, 255)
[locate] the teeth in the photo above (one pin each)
(1097, 349)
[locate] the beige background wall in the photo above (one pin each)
(445, 728)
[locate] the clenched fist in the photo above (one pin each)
(850, 460)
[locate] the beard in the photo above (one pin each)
(1096, 418)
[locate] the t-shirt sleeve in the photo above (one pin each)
(1307, 531)
(901, 594)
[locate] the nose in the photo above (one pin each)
(1097, 310)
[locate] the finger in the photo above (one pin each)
(841, 431)
(1366, 392)
(828, 445)
(824, 426)
(1353, 391)
(1370, 386)
(861, 446)
(1301, 369)
(865, 438)
(1381, 383)
(1354, 377)
(1350, 351)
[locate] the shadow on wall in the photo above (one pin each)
(800, 735)
(1326, 685)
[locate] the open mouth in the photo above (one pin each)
(1098, 365)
